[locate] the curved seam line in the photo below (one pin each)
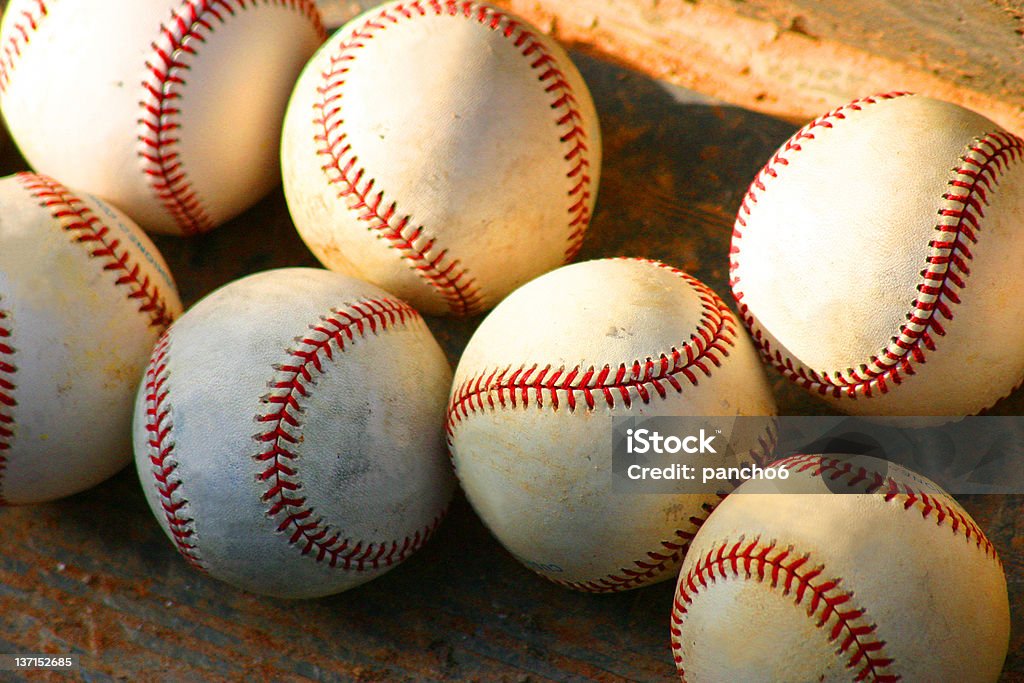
(947, 263)
(874, 483)
(293, 380)
(827, 596)
(163, 464)
(89, 230)
(715, 328)
(453, 284)
(7, 400)
(163, 89)
(643, 570)
(714, 333)
(21, 33)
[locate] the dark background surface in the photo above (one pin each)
(95, 576)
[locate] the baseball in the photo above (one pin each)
(529, 419)
(789, 581)
(83, 297)
(876, 256)
(289, 433)
(169, 109)
(446, 151)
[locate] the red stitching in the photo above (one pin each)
(163, 87)
(526, 385)
(19, 36)
(802, 579)
(715, 332)
(89, 230)
(871, 481)
(655, 563)
(944, 276)
(159, 424)
(282, 424)
(442, 272)
(7, 400)
(762, 454)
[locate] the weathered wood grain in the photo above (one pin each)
(798, 58)
(94, 575)
(795, 59)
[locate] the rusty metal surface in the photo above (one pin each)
(95, 576)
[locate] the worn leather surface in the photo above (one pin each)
(540, 474)
(836, 244)
(452, 142)
(79, 341)
(906, 582)
(223, 99)
(365, 440)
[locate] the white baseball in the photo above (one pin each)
(84, 295)
(289, 434)
(875, 258)
(787, 581)
(529, 419)
(446, 151)
(169, 109)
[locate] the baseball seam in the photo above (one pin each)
(90, 231)
(281, 425)
(715, 331)
(159, 426)
(19, 37)
(7, 400)
(657, 563)
(653, 565)
(163, 90)
(943, 278)
(827, 601)
(531, 384)
(431, 262)
(871, 482)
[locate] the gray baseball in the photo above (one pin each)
(289, 433)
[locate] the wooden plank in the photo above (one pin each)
(94, 575)
(797, 59)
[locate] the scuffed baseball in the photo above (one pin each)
(529, 419)
(789, 581)
(169, 109)
(448, 152)
(289, 433)
(84, 295)
(876, 258)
